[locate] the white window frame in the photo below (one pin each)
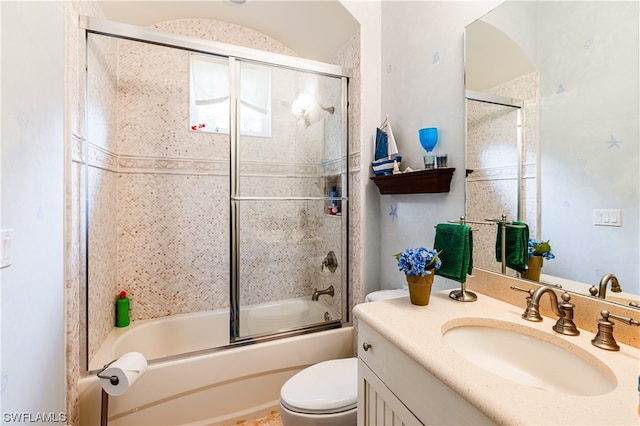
(209, 98)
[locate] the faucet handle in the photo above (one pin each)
(516, 288)
(604, 338)
(565, 324)
(626, 320)
(330, 261)
(528, 298)
(531, 312)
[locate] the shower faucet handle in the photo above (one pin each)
(330, 261)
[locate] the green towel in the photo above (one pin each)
(455, 244)
(517, 246)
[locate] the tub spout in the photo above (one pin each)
(317, 293)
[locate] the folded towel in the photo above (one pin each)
(455, 244)
(517, 246)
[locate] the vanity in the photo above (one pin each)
(538, 131)
(453, 363)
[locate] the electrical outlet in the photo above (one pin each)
(607, 217)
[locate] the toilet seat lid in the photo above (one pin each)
(326, 387)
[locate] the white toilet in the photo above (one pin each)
(322, 394)
(326, 394)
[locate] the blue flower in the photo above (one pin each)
(418, 261)
(540, 248)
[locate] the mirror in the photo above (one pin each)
(569, 70)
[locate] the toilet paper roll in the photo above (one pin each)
(127, 370)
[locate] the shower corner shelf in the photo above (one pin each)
(420, 182)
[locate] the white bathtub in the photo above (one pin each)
(219, 387)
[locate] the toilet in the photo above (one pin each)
(386, 294)
(326, 393)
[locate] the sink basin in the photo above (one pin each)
(529, 356)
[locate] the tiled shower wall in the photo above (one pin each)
(159, 214)
(491, 153)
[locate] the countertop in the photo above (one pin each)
(418, 331)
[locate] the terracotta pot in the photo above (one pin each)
(535, 267)
(420, 288)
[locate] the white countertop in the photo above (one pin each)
(418, 331)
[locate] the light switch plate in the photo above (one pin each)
(6, 240)
(607, 217)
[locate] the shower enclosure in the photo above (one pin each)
(214, 177)
(494, 140)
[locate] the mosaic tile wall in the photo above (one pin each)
(349, 58)
(491, 153)
(75, 264)
(102, 104)
(167, 244)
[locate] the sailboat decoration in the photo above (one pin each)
(386, 150)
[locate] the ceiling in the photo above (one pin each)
(314, 29)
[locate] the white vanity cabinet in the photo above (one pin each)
(393, 389)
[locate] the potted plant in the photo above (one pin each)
(419, 265)
(538, 251)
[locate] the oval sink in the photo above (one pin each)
(518, 353)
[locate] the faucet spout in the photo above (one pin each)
(532, 313)
(602, 288)
(317, 293)
(564, 311)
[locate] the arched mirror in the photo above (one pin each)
(553, 138)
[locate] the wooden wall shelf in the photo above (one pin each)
(420, 182)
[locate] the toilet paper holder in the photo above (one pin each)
(104, 403)
(133, 361)
(113, 379)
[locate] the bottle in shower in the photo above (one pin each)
(334, 207)
(122, 310)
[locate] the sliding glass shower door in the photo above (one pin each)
(212, 187)
(288, 200)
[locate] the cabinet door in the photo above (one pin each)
(377, 405)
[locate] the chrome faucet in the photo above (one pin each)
(564, 310)
(602, 290)
(317, 293)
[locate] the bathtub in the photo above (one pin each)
(219, 387)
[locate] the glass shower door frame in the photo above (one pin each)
(236, 200)
(93, 25)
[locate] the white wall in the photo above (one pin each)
(368, 14)
(2, 376)
(586, 103)
(423, 86)
(32, 178)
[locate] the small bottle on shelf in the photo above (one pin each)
(334, 206)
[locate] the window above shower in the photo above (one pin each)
(210, 94)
